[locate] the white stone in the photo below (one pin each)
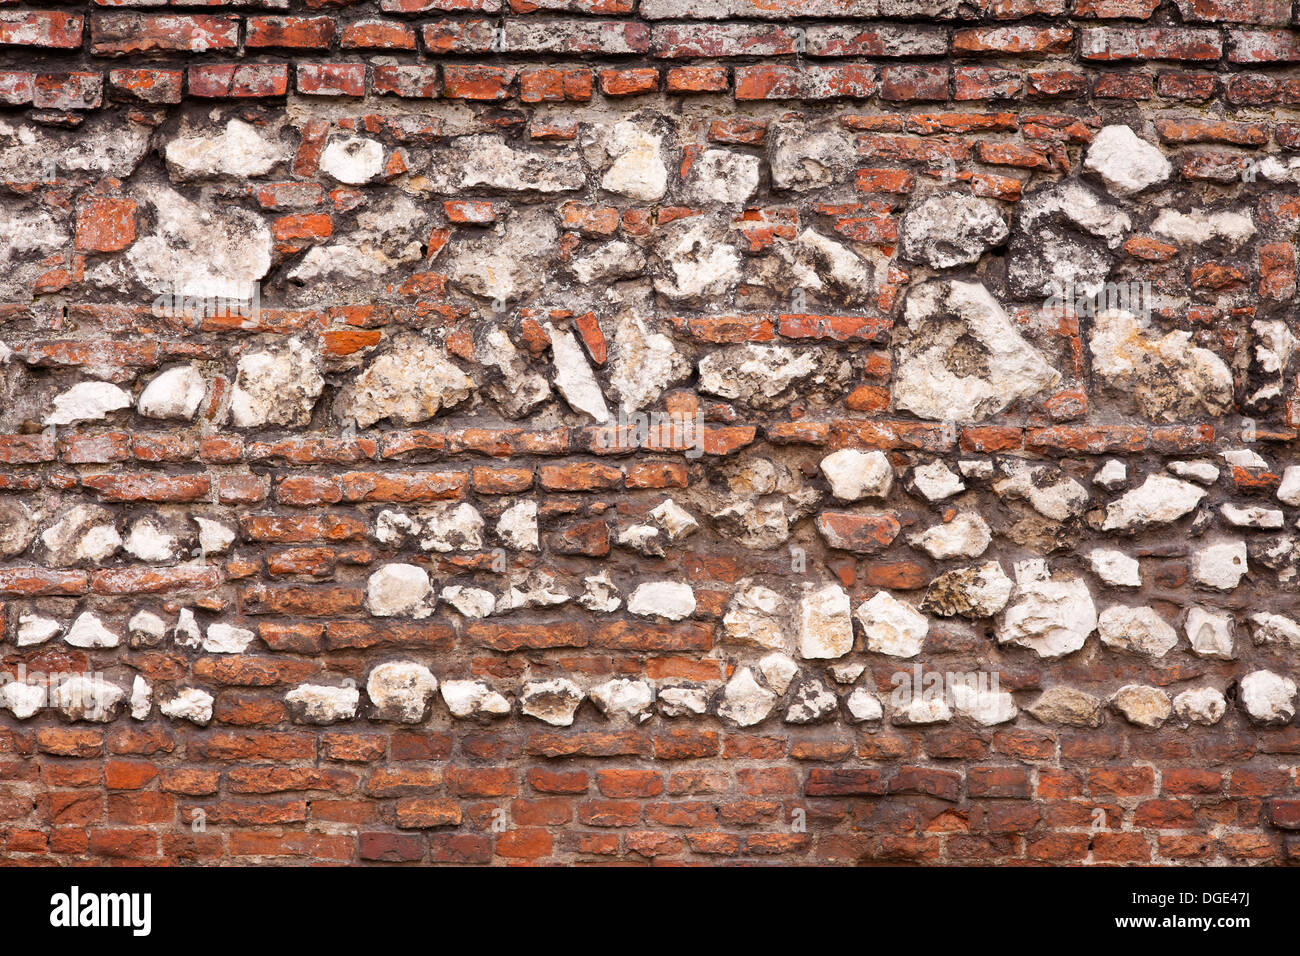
(825, 623)
(623, 699)
(980, 590)
(642, 363)
(34, 629)
(950, 228)
(87, 402)
(227, 639)
(148, 542)
(1201, 472)
(936, 481)
(891, 626)
(700, 266)
(638, 170)
(141, 701)
(401, 691)
(1143, 706)
(722, 176)
(573, 376)
(1195, 227)
(214, 537)
(186, 631)
(488, 160)
(1068, 706)
(1052, 617)
(517, 526)
(1201, 705)
(353, 160)
(745, 702)
(863, 706)
(811, 702)
(920, 709)
(1115, 567)
(190, 703)
(552, 701)
(532, 588)
(754, 617)
(966, 536)
(682, 701)
(452, 527)
(1111, 475)
(1252, 516)
(1244, 458)
(89, 631)
(1288, 492)
(854, 475)
(399, 590)
(409, 383)
(84, 533)
(676, 521)
(1268, 698)
(1269, 628)
(1220, 566)
(1049, 491)
(600, 594)
(671, 600)
(1210, 633)
(322, 703)
(1126, 163)
(846, 672)
(470, 602)
(176, 393)
(82, 697)
(277, 386)
(983, 703)
(1137, 630)
(21, 699)
(778, 671)
(239, 151)
(1158, 500)
(146, 629)
(473, 698)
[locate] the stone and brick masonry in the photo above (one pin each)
(564, 431)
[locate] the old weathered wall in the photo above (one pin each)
(460, 431)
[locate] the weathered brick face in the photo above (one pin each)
(557, 431)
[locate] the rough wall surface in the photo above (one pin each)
(459, 431)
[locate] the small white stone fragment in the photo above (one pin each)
(682, 701)
(754, 618)
(22, 699)
(90, 698)
(982, 701)
(517, 526)
(921, 708)
(1126, 163)
(1220, 566)
(352, 160)
(1137, 630)
(473, 698)
(1159, 500)
(146, 629)
(1288, 492)
(87, 402)
(863, 706)
(553, 701)
(1269, 628)
(214, 537)
(1111, 475)
(34, 629)
(573, 376)
(470, 602)
(148, 542)
(141, 698)
(936, 481)
(322, 703)
(1252, 516)
(1115, 567)
(227, 639)
(846, 672)
(1201, 472)
(854, 475)
(745, 702)
(599, 594)
(825, 623)
(89, 631)
(811, 703)
(1142, 706)
(1210, 633)
(176, 393)
(778, 671)
(186, 631)
(623, 699)
(891, 626)
(401, 691)
(1201, 705)
(966, 536)
(671, 600)
(1268, 698)
(1068, 706)
(1051, 616)
(192, 704)
(1244, 458)
(675, 520)
(399, 590)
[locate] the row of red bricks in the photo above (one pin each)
(114, 34)
(84, 89)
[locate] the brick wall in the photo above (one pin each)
(581, 431)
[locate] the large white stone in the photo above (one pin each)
(175, 393)
(1200, 705)
(227, 639)
(891, 626)
(1221, 565)
(353, 160)
(1210, 633)
(966, 536)
(623, 699)
(552, 701)
(1267, 698)
(854, 475)
(1137, 630)
(1115, 567)
(473, 698)
(401, 691)
(409, 383)
(1158, 500)
(745, 701)
(671, 600)
(399, 590)
(322, 703)
(87, 402)
(638, 170)
(277, 386)
(1051, 616)
(1126, 163)
(754, 617)
(825, 623)
(89, 631)
(239, 151)
(574, 379)
(189, 703)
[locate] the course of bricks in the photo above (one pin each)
(380, 566)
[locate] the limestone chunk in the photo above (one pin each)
(623, 699)
(1143, 706)
(1201, 705)
(322, 703)
(239, 151)
(638, 170)
(1068, 706)
(507, 263)
(227, 639)
(671, 600)
(533, 588)
(1158, 500)
(965, 536)
(573, 376)
(1221, 565)
(700, 264)
(600, 594)
(34, 629)
(936, 481)
(1126, 163)
(1201, 472)
(892, 627)
(89, 631)
(399, 590)
(854, 475)
(352, 160)
(769, 376)
(745, 702)
(1210, 633)
(959, 357)
(950, 229)
(978, 591)
(1267, 698)
(87, 402)
(778, 671)
(147, 541)
(517, 526)
(84, 533)
(803, 158)
(21, 699)
(1136, 630)
(452, 527)
(987, 705)
(17, 527)
(487, 160)
(674, 520)
(825, 623)
(722, 176)
(470, 602)
(1288, 492)
(921, 709)
(520, 390)
(214, 537)
(1269, 628)
(146, 629)
(88, 698)
(1051, 616)
(682, 701)
(190, 703)
(473, 698)
(643, 363)
(754, 617)
(186, 633)
(1048, 490)
(176, 393)
(1115, 567)
(1112, 475)
(278, 386)
(812, 702)
(409, 383)
(141, 701)
(863, 706)
(1252, 516)
(552, 702)
(401, 691)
